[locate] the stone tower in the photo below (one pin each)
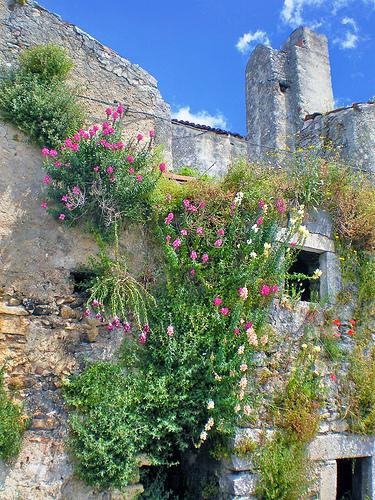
(282, 87)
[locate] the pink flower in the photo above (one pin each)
(192, 208)
(205, 258)
(120, 109)
(194, 255)
(95, 303)
(200, 230)
(126, 327)
(186, 203)
(116, 322)
(53, 152)
(184, 232)
(98, 316)
(62, 216)
(44, 204)
(139, 178)
(224, 311)
(152, 133)
(168, 238)
(176, 243)
(293, 244)
(110, 169)
(280, 205)
(217, 301)
(192, 272)
(64, 198)
(236, 331)
(75, 147)
(218, 243)
(69, 206)
(162, 167)
(248, 325)
(58, 164)
(146, 328)
(168, 219)
(139, 137)
(221, 232)
(261, 204)
(108, 111)
(333, 377)
(77, 137)
(115, 115)
(110, 327)
(85, 135)
(47, 180)
(96, 169)
(76, 190)
(202, 205)
(112, 179)
(131, 170)
(45, 151)
(120, 145)
(68, 142)
(170, 330)
(105, 125)
(259, 221)
(130, 159)
(142, 338)
(265, 290)
(87, 313)
(274, 289)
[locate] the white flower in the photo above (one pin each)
(249, 241)
(267, 246)
(304, 346)
(238, 198)
(209, 424)
(210, 405)
(243, 367)
(304, 231)
(243, 382)
(255, 228)
(293, 220)
(241, 349)
(203, 436)
(237, 408)
(317, 274)
(317, 348)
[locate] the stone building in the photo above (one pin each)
(42, 335)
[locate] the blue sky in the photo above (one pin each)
(198, 49)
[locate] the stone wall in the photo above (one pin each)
(43, 337)
(209, 150)
(351, 129)
(99, 72)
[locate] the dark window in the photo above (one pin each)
(351, 474)
(306, 263)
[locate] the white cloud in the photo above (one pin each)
(293, 9)
(349, 21)
(350, 41)
(201, 117)
(248, 40)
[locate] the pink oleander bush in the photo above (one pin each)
(99, 179)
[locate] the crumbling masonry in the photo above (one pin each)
(43, 337)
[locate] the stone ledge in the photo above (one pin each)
(12, 310)
(334, 446)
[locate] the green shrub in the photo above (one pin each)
(46, 112)
(47, 62)
(284, 469)
(12, 424)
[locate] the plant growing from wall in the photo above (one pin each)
(97, 179)
(36, 98)
(12, 424)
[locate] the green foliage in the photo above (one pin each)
(361, 391)
(284, 467)
(154, 486)
(48, 62)
(44, 111)
(332, 347)
(12, 424)
(113, 292)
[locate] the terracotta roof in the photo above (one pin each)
(207, 128)
(355, 106)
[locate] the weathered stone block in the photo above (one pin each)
(241, 484)
(12, 310)
(328, 479)
(334, 446)
(17, 325)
